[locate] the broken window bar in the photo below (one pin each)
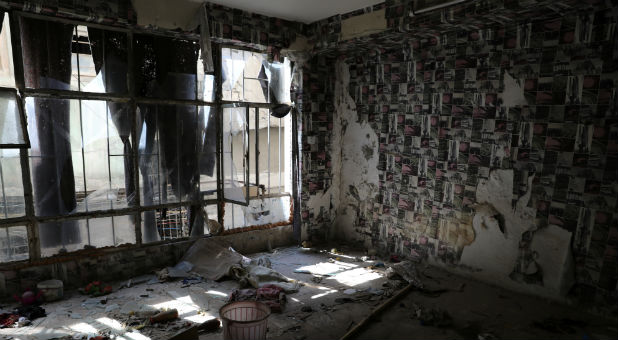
(268, 131)
(109, 169)
(218, 88)
(134, 141)
(34, 249)
(81, 132)
(4, 201)
(279, 156)
(257, 148)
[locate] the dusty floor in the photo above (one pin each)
(478, 311)
(348, 291)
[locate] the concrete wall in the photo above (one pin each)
(492, 152)
(110, 265)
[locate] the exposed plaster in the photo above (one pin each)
(513, 94)
(523, 253)
(358, 146)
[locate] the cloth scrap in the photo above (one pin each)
(270, 295)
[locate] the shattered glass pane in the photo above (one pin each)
(7, 75)
(12, 190)
(73, 235)
(208, 154)
(235, 153)
(79, 145)
(11, 128)
(14, 244)
(169, 148)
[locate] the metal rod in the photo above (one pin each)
(268, 142)
(257, 147)
(122, 98)
(81, 130)
(107, 213)
(6, 205)
(34, 244)
(109, 169)
(218, 88)
(279, 155)
(134, 140)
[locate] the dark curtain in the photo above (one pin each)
(46, 48)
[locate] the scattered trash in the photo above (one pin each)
(96, 288)
(164, 316)
(379, 265)
(210, 325)
(29, 297)
(407, 271)
(317, 279)
(258, 276)
(8, 320)
(22, 321)
(31, 312)
(180, 270)
(52, 290)
(270, 295)
(149, 279)
(186, 282)
(434, 317)
(263, 261)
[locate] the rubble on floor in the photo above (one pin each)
(210, 275)
(333, 291)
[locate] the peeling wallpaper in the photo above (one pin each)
(532, 106)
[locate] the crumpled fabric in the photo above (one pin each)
(8, 320)
(271, 295)
(31, 312)
(259, 276)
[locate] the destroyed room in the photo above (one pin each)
(291, 169)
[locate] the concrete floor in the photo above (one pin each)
(475, 308)
(480, 311)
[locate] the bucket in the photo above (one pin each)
(51, 290)
(244, 320)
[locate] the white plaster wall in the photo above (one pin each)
(359, 160)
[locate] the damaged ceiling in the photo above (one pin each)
(155, 13)
(298, 10)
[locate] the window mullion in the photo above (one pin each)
(34, 248)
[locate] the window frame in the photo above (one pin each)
(31, 221)
(250, 106)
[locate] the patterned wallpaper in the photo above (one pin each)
(538, 98)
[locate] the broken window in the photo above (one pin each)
(111, 152)
(256, 162)
(13, 238)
